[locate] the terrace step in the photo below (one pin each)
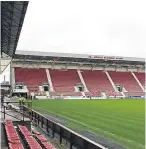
(82, 80)
(49, 80)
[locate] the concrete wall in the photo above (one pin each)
(73, 66)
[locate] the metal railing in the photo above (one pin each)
(74, 139)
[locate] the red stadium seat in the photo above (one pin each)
(32, 143)
(64, 81)
(45, 143)
(96, 82)
(15, 146)
(41, 138)
(24, 131)
(141, 77)
(12, 136)
(35, 132)
(126, 80)
(31, 77)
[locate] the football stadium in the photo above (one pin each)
(68, 101)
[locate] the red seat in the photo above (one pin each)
(44, 142)
(35, 132)
(12, 136)
(24, 131)
(126, 80)
(33, 144)
(141, 77)
(8, 123)
(48, 145)
(41, 138)
(64, 82)
(16, 146)
(31, 77)
(96, 82)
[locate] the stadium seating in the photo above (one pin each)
(64, 81)
(126, 80)
(31, 77)
(141, 78)
(96, 81)
(15, 146)
(44, 142)
(14, 141)
(31, 142)
(12, 136)
(38, 143)
(24, 131)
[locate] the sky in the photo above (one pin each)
(98, 27)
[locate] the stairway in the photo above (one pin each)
(82, 80)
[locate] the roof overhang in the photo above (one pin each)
(34, 56)
(12, 17)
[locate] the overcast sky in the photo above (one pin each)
(102, 27)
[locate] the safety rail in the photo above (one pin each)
(73, 138)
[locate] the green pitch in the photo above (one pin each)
(121, 121)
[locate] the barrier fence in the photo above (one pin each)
(63, 133)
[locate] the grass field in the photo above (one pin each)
(121, 121)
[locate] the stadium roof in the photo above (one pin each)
(12, 17)
(76, 58)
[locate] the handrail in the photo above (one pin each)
(75, 139)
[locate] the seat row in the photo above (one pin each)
(30, 140)
(38, 143)
(12, 136)
(44, 142)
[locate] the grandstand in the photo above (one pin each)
(47, 75)
(76, 75)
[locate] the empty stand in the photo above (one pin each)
(44, 142)
(30, 140)
(96, 81)
(141, 77)
(14, 142)
(64, 81)
(15, 146)
(39, 143)
(126, 80)
(31, 77)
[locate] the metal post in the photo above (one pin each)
(71, 141)
(47, 125)
(53, 130)
(4, 111)
(23, 110)
(35, 117)
(31, 115)
(38, 119)
(85, 144)
(61, 135)
(42, 122)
